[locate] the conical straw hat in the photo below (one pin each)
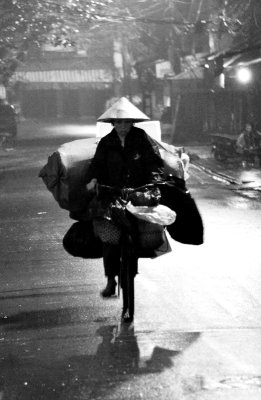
(123, 109)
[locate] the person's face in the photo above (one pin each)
(248, 128)
(122, 126)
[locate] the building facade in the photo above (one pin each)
(63, 85)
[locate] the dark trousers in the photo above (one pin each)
(111, 260)
(249, 155)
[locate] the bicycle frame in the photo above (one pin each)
(126, 278)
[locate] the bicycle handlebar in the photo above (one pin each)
(124, 191)
(127, 190)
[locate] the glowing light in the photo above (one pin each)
(244, 75)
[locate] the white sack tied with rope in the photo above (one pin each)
(159, 214)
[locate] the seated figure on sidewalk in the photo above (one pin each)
(8, 125)
(249, 145)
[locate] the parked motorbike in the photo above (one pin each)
(225, 150)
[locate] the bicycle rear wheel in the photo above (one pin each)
(127, 275)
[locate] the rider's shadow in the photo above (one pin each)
(117, 359)
(120, 350)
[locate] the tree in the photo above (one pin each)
(239, 20)
(26, 23)
(148, 29)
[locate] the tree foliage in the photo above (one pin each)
(148, 29)
(240, 20)
(243, 22)
(170, 29)
(27, 23)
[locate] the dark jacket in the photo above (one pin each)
(252, 140)
(249, 140)
(136, 164)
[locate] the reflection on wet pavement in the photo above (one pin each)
(115, 366)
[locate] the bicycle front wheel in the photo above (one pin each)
(128, 272)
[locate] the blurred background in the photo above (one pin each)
(193, 64)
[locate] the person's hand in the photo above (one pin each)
(91, 185)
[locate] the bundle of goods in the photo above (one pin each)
(64, 176)
(81, 241)
(65, 171)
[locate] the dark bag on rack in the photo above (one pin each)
(80, 241)
(150, 252)
(188, 227)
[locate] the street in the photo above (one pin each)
(197, 328)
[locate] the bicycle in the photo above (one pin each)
(129, 256)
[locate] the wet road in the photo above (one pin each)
(197, 329)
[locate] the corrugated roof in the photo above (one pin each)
(67, 76)
(61, 63)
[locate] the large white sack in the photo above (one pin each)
(64, 173)
(172, 159)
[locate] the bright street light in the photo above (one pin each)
(244, 75)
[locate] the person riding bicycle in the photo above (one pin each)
(126, 157)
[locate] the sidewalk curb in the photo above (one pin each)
(219, 175)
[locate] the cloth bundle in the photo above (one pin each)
(64, 176)
(81, 241)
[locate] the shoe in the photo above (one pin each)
(110, 288)
(126, 317)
